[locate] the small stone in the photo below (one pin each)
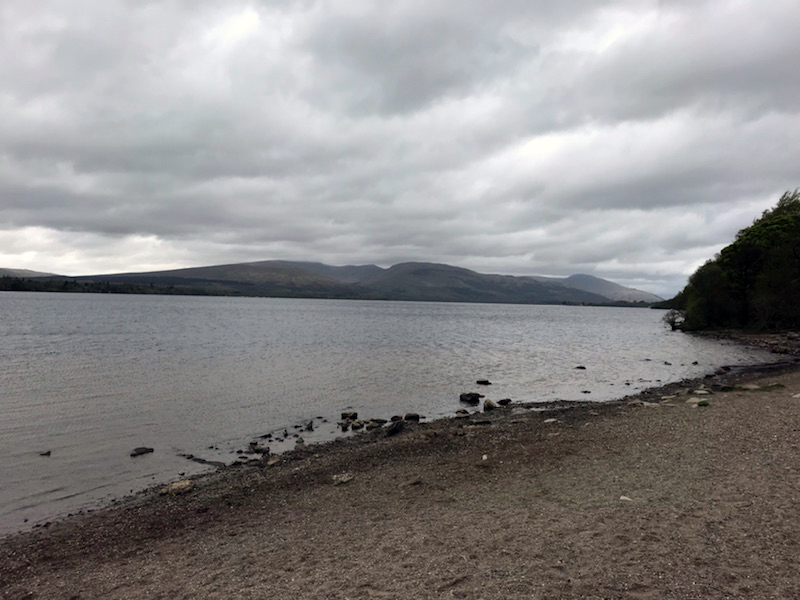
(394, 428)
(470, 398)
(349, 415)
(273, 461)
(549, 421)
(357, 424)
(626, 499)
(489, 405)
(581, 368)
(462, 413)
(140, 451)
(483, 382)
(701, 392)
(504, 402)
(342, 478)
(45, 453)
(413, 417)
(702, 403)
(178, 487)
(396, 418)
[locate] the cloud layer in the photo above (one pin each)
(629, 139)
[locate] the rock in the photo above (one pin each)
(701, 392)
(489, 405)
(379, 421)
(357, 424)
(626, 499)
(273, 461)
(413, 417)
(396, 418)
(666, 362)
(141, 450)
(372, 425)
(581, 367)
(349, 415)
(462, 413)
(504, 402)
(483, 382)
(45, 453)
(394, 428)
(178, 487)
(703, 402)
(549, 421)
(342, 478)
(470, 398)
(345, 425)
(586, 391)
(310, 426)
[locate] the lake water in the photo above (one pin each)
(90, 377)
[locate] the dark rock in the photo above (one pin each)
(412, 417)
(586, 391)
(666, 362)
(581, 367)
(483, 382)
(357, 424)
(394, 428)
(310, 426)
(379, 421)
(396, 418)
(141, 450)
(45, 453)
(462, 413)
(489, 405)
(349, 415)
(695, 362)
(372, 425)
(470, 398)
(345, 425)
(504, 402)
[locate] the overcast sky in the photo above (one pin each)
(626, 139)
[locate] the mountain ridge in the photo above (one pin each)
(421, 281)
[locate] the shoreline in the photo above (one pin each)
(430, 468)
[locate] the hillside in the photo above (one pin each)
(603, 287)
(405, 281)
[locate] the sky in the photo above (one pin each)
(625, 139)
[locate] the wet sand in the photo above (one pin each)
(649, 497)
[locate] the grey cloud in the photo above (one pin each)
(499, 135)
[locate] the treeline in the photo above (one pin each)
(754, 283)
(21, 284)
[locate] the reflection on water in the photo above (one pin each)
(89, 377)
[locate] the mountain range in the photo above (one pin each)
(404, 281)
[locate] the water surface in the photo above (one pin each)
(90, 377)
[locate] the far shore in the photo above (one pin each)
(689, 490)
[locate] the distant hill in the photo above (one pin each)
(23, 273)
(437, 282)
(603, 287)
(405, 281)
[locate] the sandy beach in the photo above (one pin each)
(653, 496)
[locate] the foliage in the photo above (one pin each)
(674, 318)
(21, 284)
(755, 281)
